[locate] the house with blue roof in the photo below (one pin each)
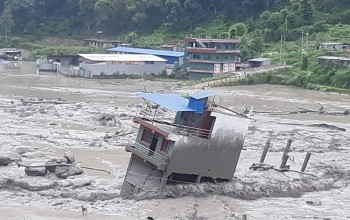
(191, 140)
(171, 57)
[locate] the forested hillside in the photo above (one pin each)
(85, 17)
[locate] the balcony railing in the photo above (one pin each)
(191, 131)
(145, 153)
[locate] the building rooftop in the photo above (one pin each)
(259, 59)
(171, 102)
(121, 58)
(204, 94)
(147, 51)
(212, 40)
(103, 40)
(333, 58)
(331, 43)
(175, 102)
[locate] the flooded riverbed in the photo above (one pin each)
(54, 129)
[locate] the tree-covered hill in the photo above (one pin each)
(81, 18)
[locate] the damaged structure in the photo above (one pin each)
(201, 142)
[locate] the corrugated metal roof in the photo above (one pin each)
(259, 59)
(147, 51)
(333, 58)
(204, 94)
(122, 57)
(331, 43)
(172, 102)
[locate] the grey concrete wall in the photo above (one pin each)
(122, 69)
(217, 157)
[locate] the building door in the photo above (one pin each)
(153, 146)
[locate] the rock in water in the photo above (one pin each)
(35, 171)
(52, 164)
(107, 120)
(4, 161)
(70, 157)
(7, 158)
(66, 171)
(60, 170)
(72, 172)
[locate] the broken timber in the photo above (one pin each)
(24, 102)
(61, 165)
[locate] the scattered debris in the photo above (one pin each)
(314, 203)
(41, 101)
(106, 120)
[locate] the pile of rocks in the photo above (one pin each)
(61, 167)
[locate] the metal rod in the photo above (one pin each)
(266, 148)
(285, 154)
(306, 161)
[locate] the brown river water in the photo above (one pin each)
(56, 129)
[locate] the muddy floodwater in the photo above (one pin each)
(316, 122)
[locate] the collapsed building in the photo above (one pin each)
(202, 142)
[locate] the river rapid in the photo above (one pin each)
(53, 129)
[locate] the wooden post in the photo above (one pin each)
(306, 161)
(285, 154)
(266, 148)
(244, 217)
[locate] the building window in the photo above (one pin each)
(147, 136)
(195, 56)
(218, 46)
(149, 62)
(207, 57)
(226, 57)
(165, 146)
(218, 57)
(226, 46)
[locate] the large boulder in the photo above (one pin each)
(35, 171)
(53, 162)
(66, 171)
(60, 170)
(70, 157)
(4, 161)
(72, 172)
(9, 157)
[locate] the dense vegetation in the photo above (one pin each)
(261, 24)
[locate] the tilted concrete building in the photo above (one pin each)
(202, 142)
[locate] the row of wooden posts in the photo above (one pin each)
(285, 155)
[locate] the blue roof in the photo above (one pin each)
(172, 102)
(204, 94)
(147, 51)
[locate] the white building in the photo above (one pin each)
(117, 65)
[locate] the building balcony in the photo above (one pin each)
(153, 157)
(200, 50)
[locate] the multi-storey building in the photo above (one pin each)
(210, 57)
(201, 142)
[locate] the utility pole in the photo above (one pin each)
(301, 55)
(301, 48)
(307, 42)
(281, 49)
